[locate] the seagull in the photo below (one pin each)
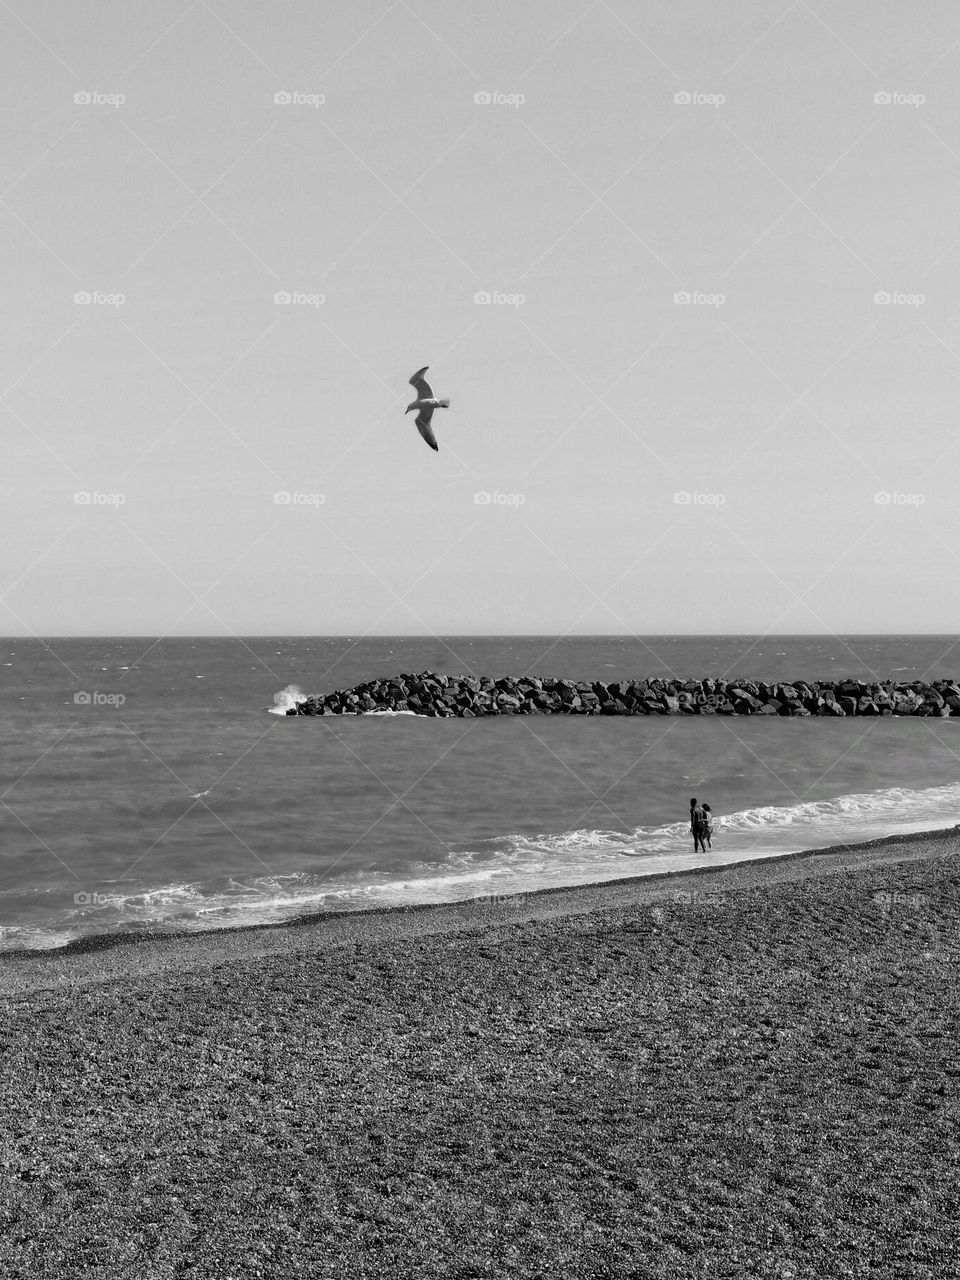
(425, 403)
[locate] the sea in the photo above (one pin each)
(151, 785)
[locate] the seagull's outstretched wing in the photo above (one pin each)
(425, 429)
(423, 388)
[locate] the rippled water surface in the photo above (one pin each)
(147, 786)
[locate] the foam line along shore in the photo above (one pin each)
(119, 951)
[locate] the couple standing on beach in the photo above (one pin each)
(701, 825)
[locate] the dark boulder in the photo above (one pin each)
(614, 707)
(744, 701)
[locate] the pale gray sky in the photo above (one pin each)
(782, 197)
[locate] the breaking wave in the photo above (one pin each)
(286, 700)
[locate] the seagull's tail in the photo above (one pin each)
(443, 404)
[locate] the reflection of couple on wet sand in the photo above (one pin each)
(701, 826)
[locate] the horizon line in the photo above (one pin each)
(484, 635)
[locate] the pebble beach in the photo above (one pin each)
(749, 1071)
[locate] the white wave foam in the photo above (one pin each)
(286, 700)
(897, 805)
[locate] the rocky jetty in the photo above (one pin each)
(429, 694)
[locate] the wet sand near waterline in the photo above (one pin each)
(746, 1071)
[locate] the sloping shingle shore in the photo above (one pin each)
(743, 1072)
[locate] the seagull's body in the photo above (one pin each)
(425, 404)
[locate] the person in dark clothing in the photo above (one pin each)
(697, 826)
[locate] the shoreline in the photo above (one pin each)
(99, 956)
(741, 1071)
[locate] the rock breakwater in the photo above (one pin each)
(429, 694)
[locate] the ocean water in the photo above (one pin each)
(146, 785)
